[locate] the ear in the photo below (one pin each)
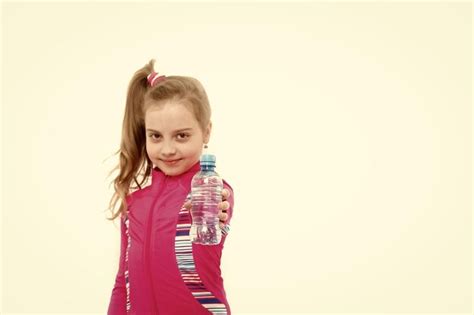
(207, 133)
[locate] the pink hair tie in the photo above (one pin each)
(153, 78)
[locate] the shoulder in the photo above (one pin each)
(136, 195)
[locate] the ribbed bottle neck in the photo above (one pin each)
(207, 168)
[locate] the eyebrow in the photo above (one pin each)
(183, 129)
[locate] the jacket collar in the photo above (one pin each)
(157, 176)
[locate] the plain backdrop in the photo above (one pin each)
(344, 129)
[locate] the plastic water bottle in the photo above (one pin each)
(206, 193)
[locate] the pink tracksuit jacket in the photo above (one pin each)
(161, 272)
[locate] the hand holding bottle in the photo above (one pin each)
(223, 206)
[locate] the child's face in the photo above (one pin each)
(165, 139)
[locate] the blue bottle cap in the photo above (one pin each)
(208, 160)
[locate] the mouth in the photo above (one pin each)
(171, 162)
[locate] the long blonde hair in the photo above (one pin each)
(133, 159)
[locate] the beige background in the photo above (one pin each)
(344, 128)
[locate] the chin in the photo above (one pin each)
(170, 170)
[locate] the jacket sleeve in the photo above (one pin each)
(117, 304)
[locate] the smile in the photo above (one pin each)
(172, 162)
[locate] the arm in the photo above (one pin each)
(117, 304)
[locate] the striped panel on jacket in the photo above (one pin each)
(187, 267)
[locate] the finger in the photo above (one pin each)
(187, 204)
(222, 216)
(225, 194)
(224, 205)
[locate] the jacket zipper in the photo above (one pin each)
(147, 243)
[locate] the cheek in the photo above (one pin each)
(191, 149)
(152, 149)
(188, 151)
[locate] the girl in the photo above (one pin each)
(166, 124)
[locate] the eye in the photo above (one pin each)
(183, 134)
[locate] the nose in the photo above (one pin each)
(168, 149)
